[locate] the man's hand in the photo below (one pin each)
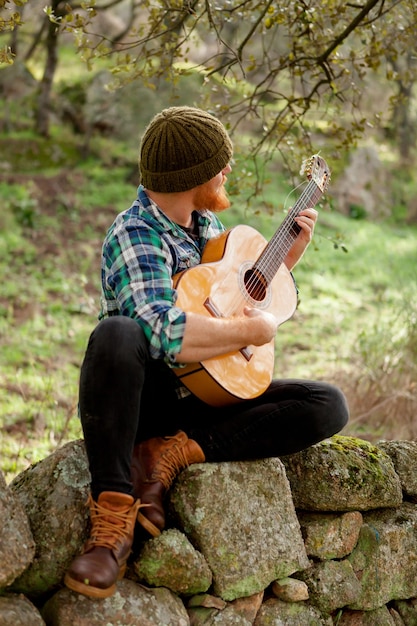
(264, 328)
(306, 220)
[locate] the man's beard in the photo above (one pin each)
(206, 198)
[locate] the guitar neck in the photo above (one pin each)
(278, 247)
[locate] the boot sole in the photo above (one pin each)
(147, 525)
(89, 590)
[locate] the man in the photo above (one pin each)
(141, 426)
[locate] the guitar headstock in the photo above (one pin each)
(317, 170)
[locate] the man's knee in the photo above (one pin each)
(117, 328)
(118, 336)
(339, 409)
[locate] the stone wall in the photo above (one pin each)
(327, 537)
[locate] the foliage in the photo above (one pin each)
(9, 21)
(276, 67)
(279, 70)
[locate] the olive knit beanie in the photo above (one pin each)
(182, 147)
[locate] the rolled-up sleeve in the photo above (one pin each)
(137, 267)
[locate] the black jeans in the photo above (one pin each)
(127, 397)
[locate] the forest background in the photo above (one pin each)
(79, 82)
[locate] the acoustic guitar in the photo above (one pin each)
(240, 268)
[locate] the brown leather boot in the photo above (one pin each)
(103, 561)
(155, 464)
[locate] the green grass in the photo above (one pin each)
(355, 323)
(343, 294)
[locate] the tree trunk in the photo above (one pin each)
(403, 122)
(44, 99)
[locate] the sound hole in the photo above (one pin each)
(255, 284)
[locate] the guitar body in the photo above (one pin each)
(221, 287)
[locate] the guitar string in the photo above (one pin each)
(254, 286)
(281, 241)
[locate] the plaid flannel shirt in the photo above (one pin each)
(141, 252)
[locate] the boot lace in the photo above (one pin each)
(172, 461)
(109, 528)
